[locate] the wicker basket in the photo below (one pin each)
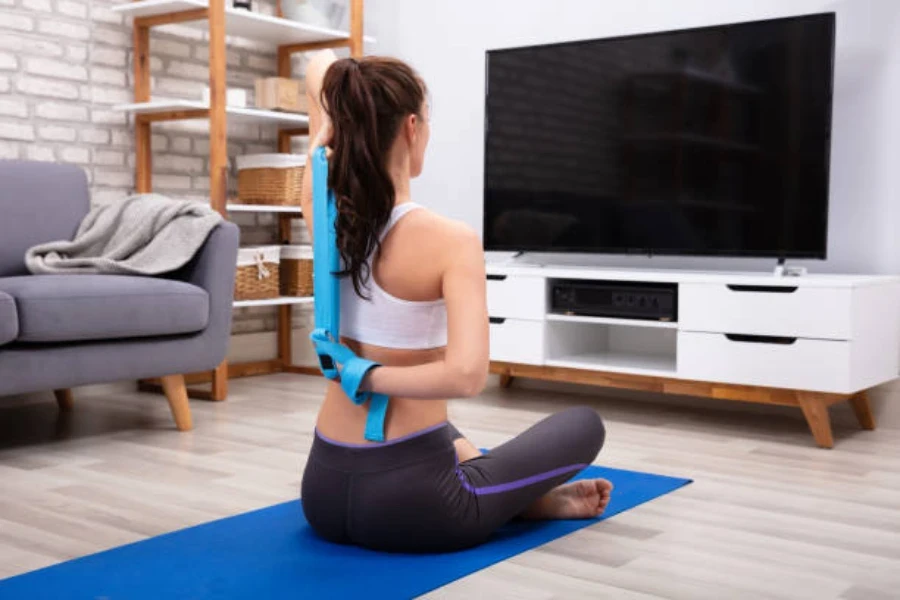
(257, 273)
(296, 271)
(270, 179)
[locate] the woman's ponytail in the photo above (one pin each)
(367, 100)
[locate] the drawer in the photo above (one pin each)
(803, 364)
(807, 312)
(517, 341)
(516, 297)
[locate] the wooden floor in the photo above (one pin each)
(769, 516)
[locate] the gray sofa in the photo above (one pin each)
(61, 331)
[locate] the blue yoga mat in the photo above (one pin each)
(272, 553)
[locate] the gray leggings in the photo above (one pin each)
(412, 495)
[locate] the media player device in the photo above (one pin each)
(615, 299)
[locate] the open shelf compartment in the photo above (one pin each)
(624, 348)
(238, 22)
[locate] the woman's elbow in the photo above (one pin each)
(470, 381)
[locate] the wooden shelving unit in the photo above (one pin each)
(219, 20)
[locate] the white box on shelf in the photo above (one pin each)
(236, 97)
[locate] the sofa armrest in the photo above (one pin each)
(213, 269)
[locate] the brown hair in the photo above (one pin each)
(367, 99)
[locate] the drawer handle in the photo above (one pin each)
(769, 289)
(761, 339)
(493, 277)
(497, 320)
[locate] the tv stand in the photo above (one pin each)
(807, 342)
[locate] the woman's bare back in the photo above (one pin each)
(410, 266)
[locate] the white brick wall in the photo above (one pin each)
(51, 67)
(8, 62)
(64, 63)
(13, 108)
(55, 133)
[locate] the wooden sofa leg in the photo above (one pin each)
(220, 382)
(64, 399)
(860, 404)
(176, 393)
(815, 409)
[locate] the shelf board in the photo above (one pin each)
(635, 364)
(235, 113)
(239, 23)
(271, 208)
(612, 321)
(274, 301)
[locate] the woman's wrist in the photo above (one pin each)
(370, 381)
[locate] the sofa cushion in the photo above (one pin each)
(70, 308)
(39, 202)
(9, 319)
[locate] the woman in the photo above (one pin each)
(413, 300)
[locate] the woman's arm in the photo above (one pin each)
(315, 74)
(463, 371)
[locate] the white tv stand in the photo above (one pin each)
(808, 341)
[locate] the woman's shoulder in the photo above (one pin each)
(439, 240)
(428, 222)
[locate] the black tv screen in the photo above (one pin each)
(708, 141)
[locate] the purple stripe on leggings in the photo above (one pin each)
(514, 485)
(404, 438)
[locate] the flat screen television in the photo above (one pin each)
(707, 141)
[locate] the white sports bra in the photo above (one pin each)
(387, 321)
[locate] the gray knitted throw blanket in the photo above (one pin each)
(147, 234)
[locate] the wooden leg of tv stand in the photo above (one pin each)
(813, 404)
(815, 409)
(860, 404)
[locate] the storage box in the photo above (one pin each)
(281, 93)
(296, 271)
(233, 97)
(275, 179)
(257, 273)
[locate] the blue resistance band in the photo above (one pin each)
(327, 290)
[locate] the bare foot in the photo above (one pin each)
(582, 499)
